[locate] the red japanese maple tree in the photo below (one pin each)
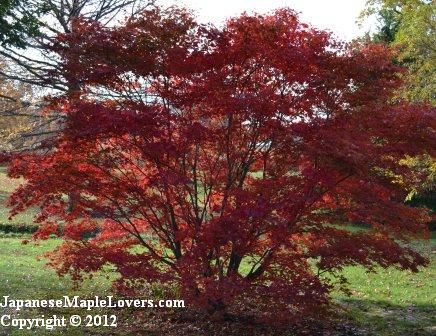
(227, 162)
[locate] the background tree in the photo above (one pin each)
(16, 27)
(389, 22)
(35, 24)
(409, 26)
(28, 28)
(16, 117)
(219, 159)
(39, 64)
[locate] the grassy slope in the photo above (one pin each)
(389, 302)
(24, 276)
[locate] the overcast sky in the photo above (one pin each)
(339, 16)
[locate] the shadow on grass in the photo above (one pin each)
(377, 317)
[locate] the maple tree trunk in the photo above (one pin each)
(73, 198)
(217, 310)
(73, 91)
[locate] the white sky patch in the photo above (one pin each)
(338, 16)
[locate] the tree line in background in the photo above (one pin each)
(409, 26)
(27, 29)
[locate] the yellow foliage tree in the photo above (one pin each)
(17, 114)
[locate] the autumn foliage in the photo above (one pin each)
(227, 162)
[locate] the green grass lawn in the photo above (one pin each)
(23, 275)
(392, 302)
(389, 302)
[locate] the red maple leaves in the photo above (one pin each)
(224, 161)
